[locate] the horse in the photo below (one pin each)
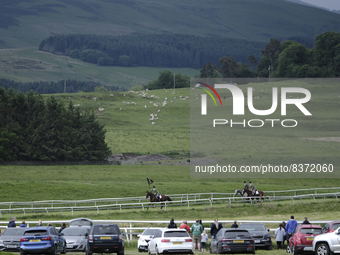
(153, 199)
(259, 193)
(242, 193)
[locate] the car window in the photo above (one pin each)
(14, 232)
(159, 233)
(54, 231)
(220, 232)
(234, 234)
(74, 231)
(176, 234)
(253, 227)
(311, 230)
(326, 227)
(37, 232)
(150, 232)
(80, 223)
(335, 226)
(106, 230)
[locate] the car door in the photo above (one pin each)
(335, 239)
(153, 241)
(214, 242)
(57, 238)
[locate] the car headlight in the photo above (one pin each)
(142, 240)
(1, 242)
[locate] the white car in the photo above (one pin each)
(326, 244)
(171, 241)
(144, 238)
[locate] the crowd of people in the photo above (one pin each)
(12, 224)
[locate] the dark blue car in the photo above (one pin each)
(45, 240)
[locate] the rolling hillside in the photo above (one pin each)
(27, 23)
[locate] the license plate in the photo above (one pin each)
(177, 243)
(35, 240)
(238, 241)
(310, 238)
(257, 241)
(105, 237)
(69, 246)
(12, 246)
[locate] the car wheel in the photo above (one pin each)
(288, 249)
(64, 249)
(22, 253)
(54, 251)
(295, 251)
(88, 252)
(120, 252)
(322, 249)
(219, 249)
(210, 249)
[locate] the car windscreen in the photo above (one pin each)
(335, 226)
(311, 231)
(235, 234)
(106, 230)
(80, 223)
(150, 232)
(253, 227)
(176, 234)
(36, 233)
(74, 231)
(14, 232)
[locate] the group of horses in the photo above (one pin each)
(246, 193)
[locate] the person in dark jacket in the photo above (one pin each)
(63, 226)
(201, 224)
(12, 224)
(305, 221)
(215, 227)
(234, 225)
(172, 224)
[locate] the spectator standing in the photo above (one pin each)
(172, 224)
(215, 227)
(234, 225)
(23, 225)
(11, 224)
(280, 236)
(290, 227)
(204, 240)
(184, 225)
(305, 221)
(63, 226)
(197, 230)
(201, 224)
(39, 223)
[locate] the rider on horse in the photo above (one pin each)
(253, 188)
(246, 185)
(158, 196)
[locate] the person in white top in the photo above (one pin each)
(280, 233)
(204, 241)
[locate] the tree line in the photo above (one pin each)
(287, 59)
(52, 87)
(32, 128)
(156, 50)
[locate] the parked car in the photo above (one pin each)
(76, 238)
(326, 244)
(331, 227)
(144, 239)
(302, 239)
(105, 238)
(171, 240)
(232, 240)
(42, 240)
(260, 234)
(10, 239)
(81, 222)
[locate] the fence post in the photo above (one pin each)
(46, 210)
(130, 230)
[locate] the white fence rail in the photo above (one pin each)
(186, 200)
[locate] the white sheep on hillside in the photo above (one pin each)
(101, 109)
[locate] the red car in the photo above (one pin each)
(331, 227)
(302, 239)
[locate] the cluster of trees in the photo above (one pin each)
(288, 59)
(156, 50)
(34, 129)
(168, 80)
(45, 87)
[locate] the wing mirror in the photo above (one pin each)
(138, 235)
(152, 237)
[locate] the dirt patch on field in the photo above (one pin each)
(325, 139)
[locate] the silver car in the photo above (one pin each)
(76, 238)
(10, 239)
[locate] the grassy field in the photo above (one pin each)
(30, 64)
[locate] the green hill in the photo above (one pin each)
(27, 23)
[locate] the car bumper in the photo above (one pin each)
(11, 249)
(75, 247)
(262, 244)
(45, 249)
(238, 249)
(106, 248)
(306, 248)
(142, 248)
(183, 249)
(178, 251)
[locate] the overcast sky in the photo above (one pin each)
(330, 4)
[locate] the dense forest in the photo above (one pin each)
(34, 129)
(44, 87)
(156, 50)
(287, 59)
